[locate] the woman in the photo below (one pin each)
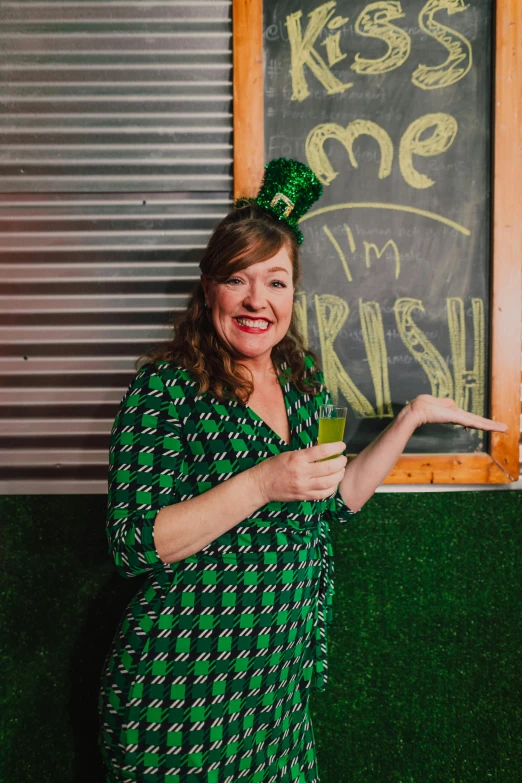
(218, 492)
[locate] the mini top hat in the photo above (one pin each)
(288, 191)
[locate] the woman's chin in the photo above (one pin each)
(251, 350)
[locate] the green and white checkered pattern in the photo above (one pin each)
(209, 674)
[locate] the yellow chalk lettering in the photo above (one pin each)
(387, 206)
(460, 57)
(340, 253)
(332, 312)
(421, 348)
(373, 335)
(412, 144)
(300, 316)
(469, 384)
(351, 240)
(333, 49)
(368, 247)
(374, 22)
(334, 24)
(302, 53)
(316, 156)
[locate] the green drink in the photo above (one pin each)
(331, 430)
(331, 425)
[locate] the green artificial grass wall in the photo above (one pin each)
(425, 683)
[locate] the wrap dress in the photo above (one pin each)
(209, 674)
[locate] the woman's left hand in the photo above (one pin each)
(434, 410)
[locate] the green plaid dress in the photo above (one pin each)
(208, 677)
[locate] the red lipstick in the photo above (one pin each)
(252, 329)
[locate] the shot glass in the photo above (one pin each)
(332, 421)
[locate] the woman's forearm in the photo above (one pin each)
(184, 528)
(369, 468)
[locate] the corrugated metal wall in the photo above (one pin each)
(115, 164)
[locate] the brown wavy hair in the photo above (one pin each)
(246, 236)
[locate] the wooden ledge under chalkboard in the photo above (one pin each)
(447, 469)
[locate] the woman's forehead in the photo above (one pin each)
(280, 261)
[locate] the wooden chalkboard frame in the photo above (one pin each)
(501, 464)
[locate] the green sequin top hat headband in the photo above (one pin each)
(288, 191)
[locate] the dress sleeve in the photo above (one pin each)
(336, 508)
(145, 461)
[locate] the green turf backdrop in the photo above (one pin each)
(425, 649)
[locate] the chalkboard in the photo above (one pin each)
(390, 104)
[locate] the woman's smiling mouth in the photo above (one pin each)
(252, 324)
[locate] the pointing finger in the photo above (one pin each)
(480, 423)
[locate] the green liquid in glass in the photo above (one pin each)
(330, 431)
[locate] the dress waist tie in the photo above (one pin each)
(324, 608)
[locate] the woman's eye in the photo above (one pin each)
(235, 280)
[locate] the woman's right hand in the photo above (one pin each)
(298, 475)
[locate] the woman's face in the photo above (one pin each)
(251, 311)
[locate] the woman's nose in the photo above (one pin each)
(255, 297)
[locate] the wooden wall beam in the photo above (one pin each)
(507, 235)
(247, 21)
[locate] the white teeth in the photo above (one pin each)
(254, 324)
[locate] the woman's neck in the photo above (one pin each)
(263, 370)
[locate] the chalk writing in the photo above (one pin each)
(412, 144)
(469, 389)
(337, 247)
(399, 207)
(300, 315)
(373, 332)
(422, 349)
(333, 49)
(316, 156)
(374, 22)
(303, 53)
(331, 313)
(466, 386)
(369, 246)
(459, 48)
